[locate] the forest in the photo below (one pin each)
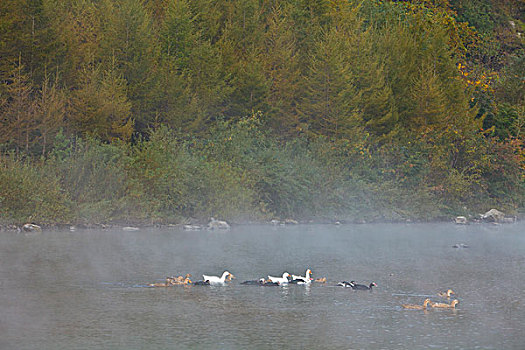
(173, 111)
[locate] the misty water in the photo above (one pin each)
(87, 289)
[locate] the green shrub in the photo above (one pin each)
(28, 193)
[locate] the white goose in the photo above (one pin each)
(301, 279)
(217, 280)
(280, 280)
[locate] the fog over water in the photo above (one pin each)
(87, 289)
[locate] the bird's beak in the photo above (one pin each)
(232, 276)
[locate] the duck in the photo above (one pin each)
(446, 294)
(217, 280)
(280, 280)
(320, 280)
(185, 280)
(270, 284)
(452, 305)
(201, 283)
(179, 280)
(165, 284)
(362, 286)
(258, 282)
(460, 245)
(345, 284)
(417, 307)
(302, 280)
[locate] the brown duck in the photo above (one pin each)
(417, 307)
(452, 305)
(446, 294)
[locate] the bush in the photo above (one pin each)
(29, 193)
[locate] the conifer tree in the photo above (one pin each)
(428, 102)
(51, 111)
(330, 106)
(128, 42)
(100, 106)
(26, 30)
(18, 114)
(281, 66)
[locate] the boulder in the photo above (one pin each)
(460, 220)
(218, 225)
(493, 215)
(510, 220)
(31, 228)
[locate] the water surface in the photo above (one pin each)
(86, 289)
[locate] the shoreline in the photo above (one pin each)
(200, 226)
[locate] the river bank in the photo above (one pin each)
(242, 173)
(195, 225)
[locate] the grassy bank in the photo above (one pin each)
(241, 173)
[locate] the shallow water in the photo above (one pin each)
(85, 289)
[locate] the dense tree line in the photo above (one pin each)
(424, 96)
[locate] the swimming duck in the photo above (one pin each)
(460, 245)
(270, 283)
(417, 307)
(345, 284)
(280, 280)
(452, 305)
(320, 280)
(201, 283)
(217, 280)
(186, 280)
(165, 284)
(306, 279)
(258, 282)
(362, 286)
(446, 294)
(179, 279)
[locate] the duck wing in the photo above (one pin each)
(345, 284)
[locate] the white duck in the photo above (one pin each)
(217, 280)
(301, 279)
(280, 280)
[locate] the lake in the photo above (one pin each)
(88, 289)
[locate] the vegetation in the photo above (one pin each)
(159, 111)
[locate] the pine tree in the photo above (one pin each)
(51, 111)
(129, 44)
(178, 35)
(18, 114)
(330, 106)
(26, 30)
(78, 25)
(100, 107)
(280, 62)
(428, 101)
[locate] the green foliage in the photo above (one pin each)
(29, 193)
(100, 106)
(94, 176)
(370, 109)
